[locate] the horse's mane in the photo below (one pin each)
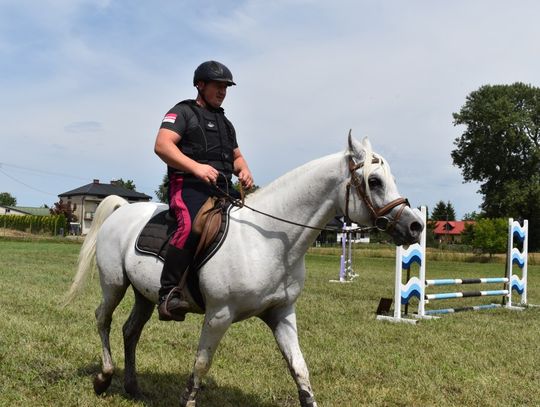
(294, 173)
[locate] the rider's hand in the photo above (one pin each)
(245, 178)
(206, 172)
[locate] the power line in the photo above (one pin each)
(25, 184)
(2, 164)
(43, 172)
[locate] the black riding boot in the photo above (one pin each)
(172, 303)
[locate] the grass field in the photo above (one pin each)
(49, 354)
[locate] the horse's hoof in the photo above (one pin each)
(189, 397)
(102, 383)
(306, 400)
(187, 401)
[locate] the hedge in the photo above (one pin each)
(35, 224)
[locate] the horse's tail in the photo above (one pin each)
(87, 256)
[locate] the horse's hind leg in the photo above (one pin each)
(140, 314)
(112, 295)
(282, 321)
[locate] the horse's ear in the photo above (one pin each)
(356, 148)
(366, 143)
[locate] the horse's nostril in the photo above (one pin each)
(416, 227)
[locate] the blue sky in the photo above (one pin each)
(84, 84)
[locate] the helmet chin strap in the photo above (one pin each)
(202, 97)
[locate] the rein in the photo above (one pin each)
(240, 204)
(380, 220)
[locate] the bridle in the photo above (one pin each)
(378, 215)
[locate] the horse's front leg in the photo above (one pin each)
(282, 322)
(214, 327)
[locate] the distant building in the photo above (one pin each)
(23, 210)
(450, 231)
(88, 197)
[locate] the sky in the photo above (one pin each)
(84, 84)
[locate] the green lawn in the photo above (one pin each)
(49, 354)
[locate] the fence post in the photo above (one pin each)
(422, 271)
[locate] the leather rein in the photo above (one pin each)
(378, 216)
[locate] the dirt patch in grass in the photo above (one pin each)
(11, 234)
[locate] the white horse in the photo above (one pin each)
(259, 271)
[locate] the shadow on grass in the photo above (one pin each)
(165, 390)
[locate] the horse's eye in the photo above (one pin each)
(374, 182)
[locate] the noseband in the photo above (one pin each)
(378, 215)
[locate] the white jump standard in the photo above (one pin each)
(346, 272)
(416, 286)
(519, 258)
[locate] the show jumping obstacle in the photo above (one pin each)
(346, 272)
(416, 286)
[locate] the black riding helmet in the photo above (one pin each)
(213, 71)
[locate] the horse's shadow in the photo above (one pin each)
(164, 390)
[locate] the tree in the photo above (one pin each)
(490, 235)
(430, 235)
(162, 191)
(129, 184)
(443, 211)
(500, 149)
(65, 208)
(471, 216)
(7, 199)
(236, 186)
(467, 236)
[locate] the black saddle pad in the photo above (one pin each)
(155, 236)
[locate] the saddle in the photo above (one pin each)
(211, 224)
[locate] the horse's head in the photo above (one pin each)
(372, 197)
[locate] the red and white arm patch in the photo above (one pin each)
(169, 118)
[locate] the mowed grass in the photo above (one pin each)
(49, 354)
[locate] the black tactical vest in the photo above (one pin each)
(212, 142)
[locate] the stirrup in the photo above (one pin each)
(178, 313)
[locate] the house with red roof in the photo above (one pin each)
(450, 231)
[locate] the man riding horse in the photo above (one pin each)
(198, 144)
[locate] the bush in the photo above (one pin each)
(34, 224)
(491, 235)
